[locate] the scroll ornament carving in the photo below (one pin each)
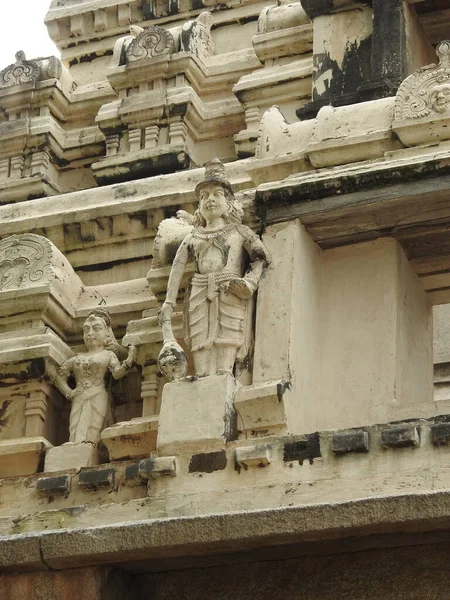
(22, 71)
(90, 404)
(229, 259)
(427, 91)
(196, 36)
(24, 261)
(149, 42)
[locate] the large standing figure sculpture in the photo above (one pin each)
(229, 259)
(90, 398)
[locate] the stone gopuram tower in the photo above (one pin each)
(224, 231)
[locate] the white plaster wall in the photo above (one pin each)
(358, 334)
(441, 333)
(414, 380)
(287, 326)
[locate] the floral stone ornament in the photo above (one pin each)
(422, 103)
(229, 259)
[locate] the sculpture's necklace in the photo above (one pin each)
(214, 234)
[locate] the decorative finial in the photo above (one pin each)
(20, 57)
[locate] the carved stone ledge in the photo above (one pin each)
(131, 439)
(154, 468)
(254, 456)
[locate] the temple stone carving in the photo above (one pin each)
(427, 90)
(229, 260)
(422, 103)
(89, 399)
(151, 41)
(282, 431)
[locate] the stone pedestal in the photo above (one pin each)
(21, 456)
(197, 414)
(71, 456)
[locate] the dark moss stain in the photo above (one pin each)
(109, 265)
(307, 448)
(35, 369)
(230, 432)
(3, 417)
(349, 184)
(140, 216)
(281, 388)
(208, 462)
(162, 164)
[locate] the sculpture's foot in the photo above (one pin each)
(191, 378)
(224, 371)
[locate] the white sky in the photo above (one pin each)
(22, 28)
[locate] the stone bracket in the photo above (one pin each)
(260, 406)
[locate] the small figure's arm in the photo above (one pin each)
(60, 377)
(259, 258)
(119, 370)
(175, 277)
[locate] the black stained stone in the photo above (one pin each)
(208, 462)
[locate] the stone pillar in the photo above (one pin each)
(388, 50)
(341, 53)
(286, 360)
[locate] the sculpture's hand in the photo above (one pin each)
(165, 313)
(132, 356)
(70, 395)
(240, 288)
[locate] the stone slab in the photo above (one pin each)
(254, 456)
(53, 486)
(71, 456)
(22, 456)
(344, 442)
(197, 413)
(400, 437)
(158, 467)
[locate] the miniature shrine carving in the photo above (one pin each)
(426, 91)
(29, 71)
(229, 259)
(148, 42)
(90, 398)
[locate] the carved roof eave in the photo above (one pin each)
(214, 74)
(205, 120)
(158, 67)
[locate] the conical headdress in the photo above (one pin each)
(214, 173)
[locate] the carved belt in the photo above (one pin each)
(212, 281)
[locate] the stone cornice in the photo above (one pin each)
(150, 543)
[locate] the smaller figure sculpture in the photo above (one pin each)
(90, 398)
(229, 259)
(440, 97)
